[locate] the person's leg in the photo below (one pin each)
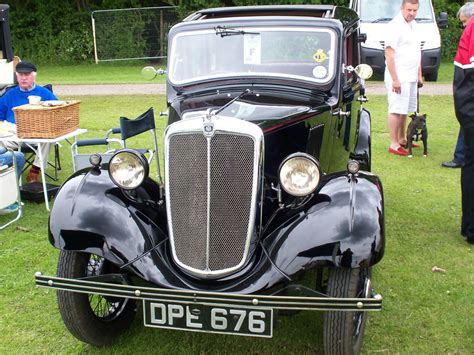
(467, 185)
(410, 95)
(45, 148)
(397, 110)
(459, 150)
(394, 120)
(402, 130)
(35, 171)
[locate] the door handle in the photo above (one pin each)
(339, 112)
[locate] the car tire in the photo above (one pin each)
(93, 319)
(344, 331)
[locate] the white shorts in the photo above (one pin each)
(404, 102)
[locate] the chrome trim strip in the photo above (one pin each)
(208, 217)
(210, 298)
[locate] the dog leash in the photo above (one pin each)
(418, 98)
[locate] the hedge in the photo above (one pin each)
(59, 31)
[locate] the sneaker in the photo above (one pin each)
(398, 151)
(10, 209)
(453, 164)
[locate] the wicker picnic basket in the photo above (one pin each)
(38, 121)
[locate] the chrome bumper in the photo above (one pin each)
(373, 303)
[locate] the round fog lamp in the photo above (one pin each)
(95, 160)
(300, 175)
(128, 169)
(353, 166)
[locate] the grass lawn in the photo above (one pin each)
(424, 312)
(120, 73)
(102, 73)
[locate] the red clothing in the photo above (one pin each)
(463, 84)
(465, 54)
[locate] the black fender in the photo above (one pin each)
(91, 214)
(362, 151)
(344, 229)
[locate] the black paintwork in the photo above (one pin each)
(340, 225)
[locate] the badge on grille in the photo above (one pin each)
(208, 129)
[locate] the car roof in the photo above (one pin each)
(345, 15)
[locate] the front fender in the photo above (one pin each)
(93, 215)
(346, 229)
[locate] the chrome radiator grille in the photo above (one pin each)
(211, 190)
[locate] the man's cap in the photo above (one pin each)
(25, 67)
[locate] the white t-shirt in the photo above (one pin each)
(404, 39)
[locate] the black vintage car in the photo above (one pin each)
(268, 205)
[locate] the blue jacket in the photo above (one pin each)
(17, 97)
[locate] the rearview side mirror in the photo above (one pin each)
(150, 73)
(443, 20)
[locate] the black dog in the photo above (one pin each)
(417, 128)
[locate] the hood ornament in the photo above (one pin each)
(207, 124)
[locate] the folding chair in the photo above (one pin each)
(30, 158)
(145, 122)
(10, 191)
(80, 160)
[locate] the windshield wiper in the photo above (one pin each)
(245, 92)
(382, 19)
(424, 19)
(226, 31)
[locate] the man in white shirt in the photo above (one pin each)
(402, 72)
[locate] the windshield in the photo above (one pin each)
(280, 52)
(384, 11)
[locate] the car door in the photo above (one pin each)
(345, 118)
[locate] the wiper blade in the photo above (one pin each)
(226, 31)
(245, 92)
(382, 19)
(424, 19)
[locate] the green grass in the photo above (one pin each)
(423, 312)
(445, 73)
(102, 73)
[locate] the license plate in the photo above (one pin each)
(209, 319)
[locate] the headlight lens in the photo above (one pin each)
(128, 169)
(300, 174)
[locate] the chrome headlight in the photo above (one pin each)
(299, 174)
(128, 169)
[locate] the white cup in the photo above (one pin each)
(34, 100)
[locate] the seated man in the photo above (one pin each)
(17, 96)
(6, 158)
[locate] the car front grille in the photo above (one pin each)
(211, 187)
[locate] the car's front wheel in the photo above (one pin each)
(344, 331)
(93, 319)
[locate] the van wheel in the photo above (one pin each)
(431, 77)
(93, 319)
(344, 331)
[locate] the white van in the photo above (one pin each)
(374, 17)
